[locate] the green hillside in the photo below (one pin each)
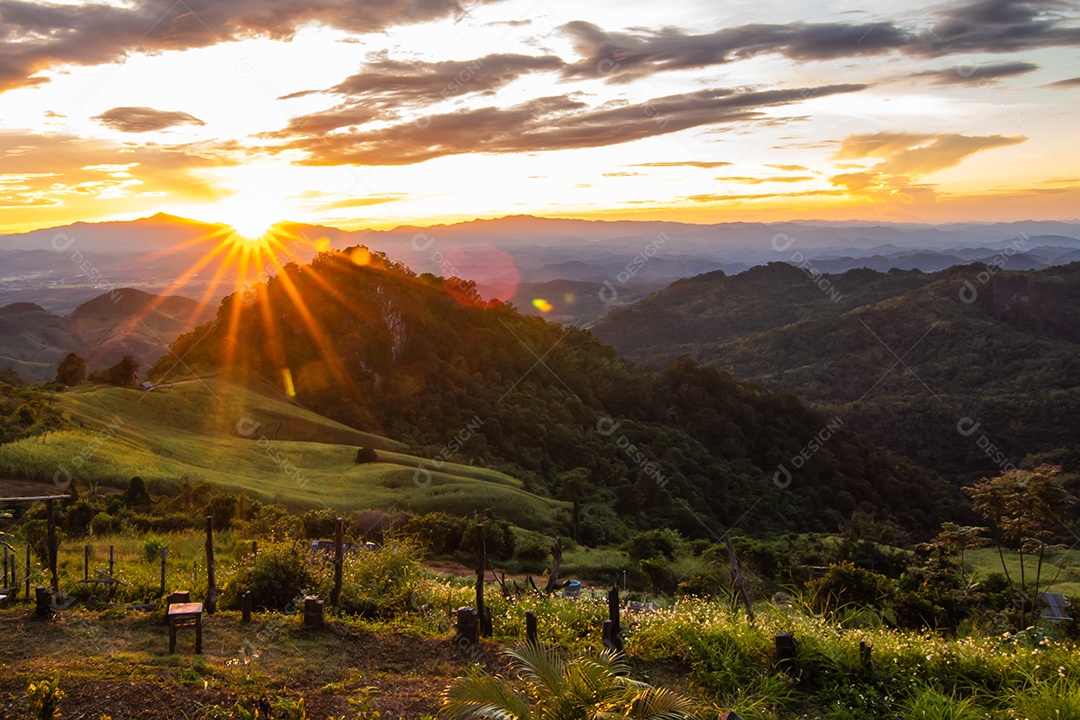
(425, 360)
(245, 435)
(908, 358)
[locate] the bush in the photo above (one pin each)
(77, 518)
(846, 584)
(152, 547)
(380, 584)
(498, 538)
(366, 455)
(532, 555)
(136, 494)
(281, 572)
(104, 524)
(44, 698)
(319, 524)
(438, 532)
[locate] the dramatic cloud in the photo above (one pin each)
(37, 37)
(918, 154)
(94, 176)
(551, 123)
(386, 85)
(143, 119)
(1066, 83)
(965, 73)
(762, 180)
(904, 157)
(688, 163)
(993, 26)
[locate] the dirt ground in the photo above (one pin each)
(116, 663)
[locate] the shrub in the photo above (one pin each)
(321, 523)
(380, 584)
(44, 698)
(281, 572)
(846, 584)
(366, 455)
(439, 532)
(77, 518)
(104, 524)
(136, 494)
(152, 547)
(498, 538)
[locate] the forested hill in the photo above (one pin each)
(423, 360)
(912, 360)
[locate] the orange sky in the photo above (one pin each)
(406, 112)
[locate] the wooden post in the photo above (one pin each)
(254, 548)
(7, 577)
(339, 562)
(785, 648)
(467, 626)
(164, 552)
(482, 613)
(556, 560)
(245, 606)
(211, 584)
(313, 612)
(865, 656)
(52, 546)
(736, 577)
(612, 633)
(44, 598)
(86, 563)
(14, 578)
(27, 571)
(111, 555)
(530, 628)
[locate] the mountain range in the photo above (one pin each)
(101, 330)
(965, 371)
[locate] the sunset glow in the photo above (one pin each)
(419, 113)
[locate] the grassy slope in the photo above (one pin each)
(206, 430)
(1065, 566)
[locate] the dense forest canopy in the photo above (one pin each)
(425, 360)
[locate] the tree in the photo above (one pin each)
(585, 687)
(1023, 508)
(136, 494)
(71, 371)
(122, 374)
(366, 455)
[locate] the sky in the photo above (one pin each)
(391, 112)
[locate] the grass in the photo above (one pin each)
(246, 436)
(1063, 564)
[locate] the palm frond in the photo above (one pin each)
(480, 695)
(541, 665)
(660, 704)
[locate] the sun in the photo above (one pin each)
(253, 229)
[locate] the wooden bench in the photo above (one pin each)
(185, 614)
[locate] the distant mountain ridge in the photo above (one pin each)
(121, 322)
(902, 356)
(502, 255)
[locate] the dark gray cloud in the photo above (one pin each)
(387, 85)
(144, 119)
(968, 74)
(36, 37)
(992, 26)
(552, 123)
(1066, 83)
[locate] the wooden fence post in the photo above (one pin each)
(483, 614)
(339, 561)
(86, 563)
(612, 633)
(785, 648)
(52, 546)
(467, 626)
(245, 606)
(211, 583)
(530, 628)
(164, 552)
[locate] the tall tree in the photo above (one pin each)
(1024, 508)
(71, 371)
